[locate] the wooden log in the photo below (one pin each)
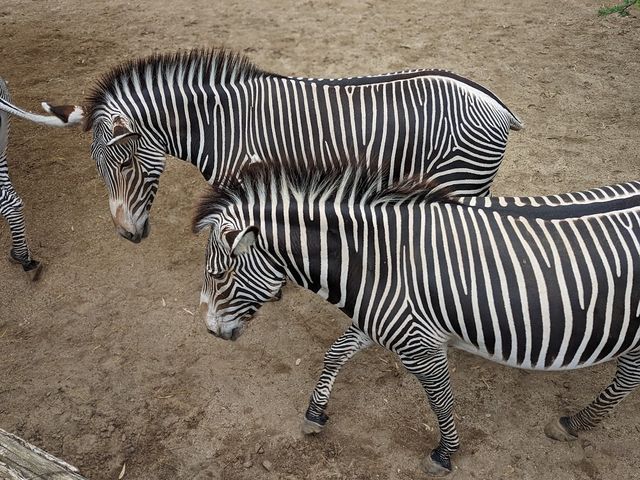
(19, 460)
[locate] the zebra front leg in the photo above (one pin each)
(11, 209)
(350, 342)
(627, 378)
(431, 369)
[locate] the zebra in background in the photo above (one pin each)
(218, 111)
(10, 202)
(544, 283)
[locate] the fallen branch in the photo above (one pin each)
(19, 460)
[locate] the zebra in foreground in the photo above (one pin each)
(218, 111)
(10, 203)
(543, 283)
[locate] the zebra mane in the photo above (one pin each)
(356, 183)
(224, 64)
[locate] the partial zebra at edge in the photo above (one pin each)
(11, 205)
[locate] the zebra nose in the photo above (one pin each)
(235, 333)
(215, 333)
(136, 237)
(232, 334)
(132, 237)
(125, 233)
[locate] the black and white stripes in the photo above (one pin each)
(219, 112)
(544, 283)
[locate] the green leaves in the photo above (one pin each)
(621, 9)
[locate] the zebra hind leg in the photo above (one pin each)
(350, 342)
(627, 379)
(11, 209)
(431, 369)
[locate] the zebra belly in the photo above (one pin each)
(550, 332)
(460, 344)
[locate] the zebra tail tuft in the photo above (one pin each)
(69, 114)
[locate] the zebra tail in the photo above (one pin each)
(50, 120)
(515, 123)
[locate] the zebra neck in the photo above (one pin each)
(315, 251)
(204, 125)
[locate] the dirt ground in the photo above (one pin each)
(103, 363)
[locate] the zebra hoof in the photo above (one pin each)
(311, 428)
(433, 468)
(557, 429)
(315, 424)
(34, 270)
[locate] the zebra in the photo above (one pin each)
(220, 112)
(11, 204)
(540, 283)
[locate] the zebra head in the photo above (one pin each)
(130, 165)
(240, 276)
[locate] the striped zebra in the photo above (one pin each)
(218, 111)
(542, 283)
(10, 203)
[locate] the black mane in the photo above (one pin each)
(231, 65)
(358, 183)
(227, 65)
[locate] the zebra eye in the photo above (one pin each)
(216, 275)
(126, 163)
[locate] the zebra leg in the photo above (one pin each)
(11, 209)
(627, 379)
(431, 369)
(350, 342)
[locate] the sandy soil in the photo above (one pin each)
(102, 362)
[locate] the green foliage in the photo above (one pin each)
(621, 9)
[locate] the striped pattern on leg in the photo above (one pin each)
(350, 342)
(431, 369)
(626, 380)
(11, 209)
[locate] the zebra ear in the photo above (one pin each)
(123, 139)
(240, 241)
(122, 133)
